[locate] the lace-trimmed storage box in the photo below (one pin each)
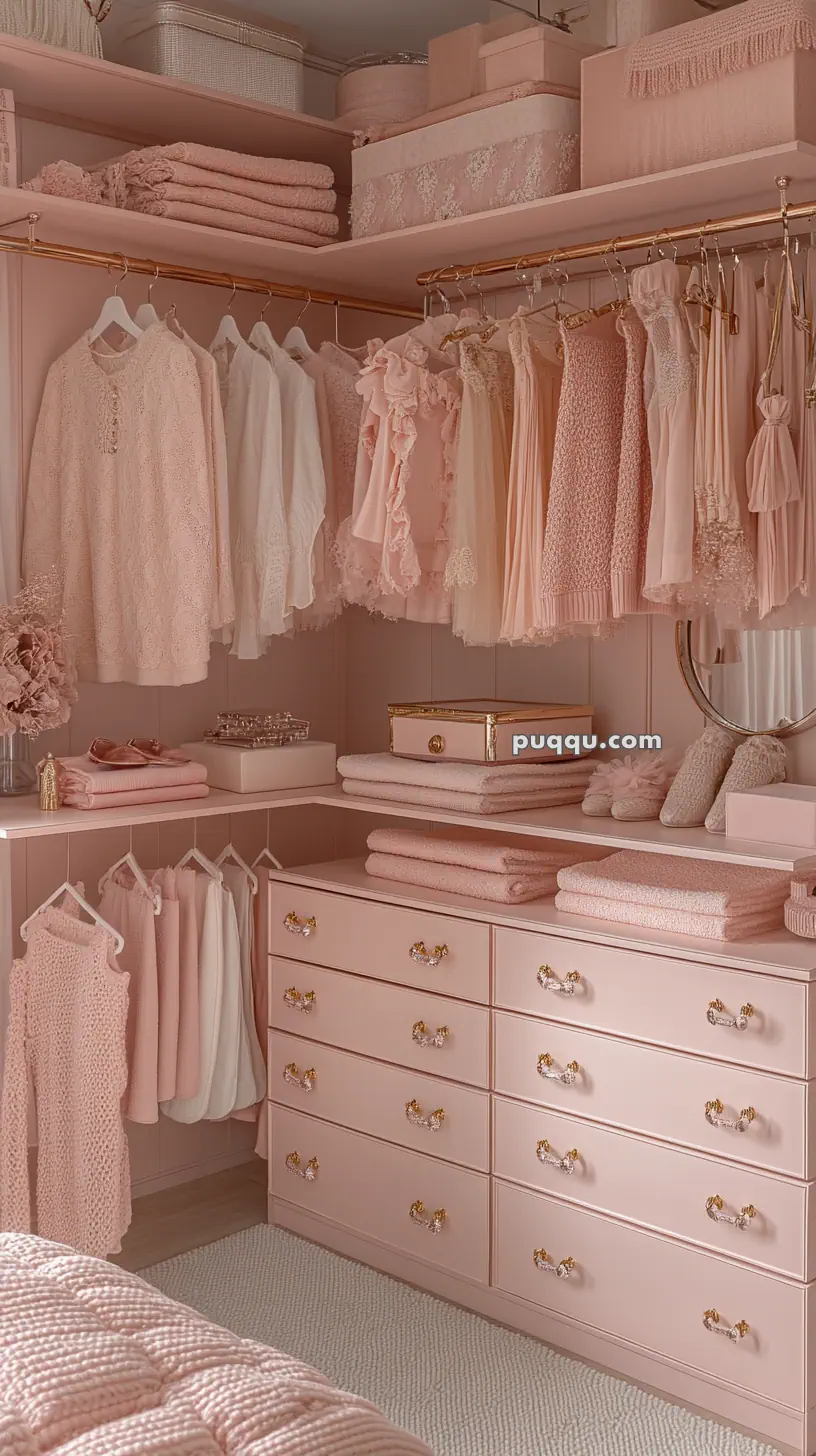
(516, 152)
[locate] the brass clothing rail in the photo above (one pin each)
(685, 232)
(33, 247)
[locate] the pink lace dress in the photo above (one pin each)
(334, 372)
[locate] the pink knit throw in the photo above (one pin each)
(325, 224)
(676, 922)
(507, 889)
(476, 854)
(718, 45)
(465, 778)
(219, 217)
(239, 164)
(678, 883)
(463, 803)
(79, 799)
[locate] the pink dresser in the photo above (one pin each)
(606, 1140)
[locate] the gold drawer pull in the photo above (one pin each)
(303, 925)
(434, 1224)
(309, 1172)
(427, 957)
(565, 1165)
(291, 1074)
(741, 1220)
(425, 1038)
(300, 1000)
(547, 979)
(714, 1114)
(542, 1261)
(711, 1320)
(718, 1016)
(433, 1121)
(546, 1069)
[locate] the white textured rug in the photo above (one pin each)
(467, 1387)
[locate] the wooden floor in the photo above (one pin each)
(177, 1219)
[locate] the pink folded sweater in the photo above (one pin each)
(81, 799)
(682, 922)
(324, 224)
(464, 803)
(674, 882)
(507, 889)
(465, 778)
(475, 854)
(85, 776)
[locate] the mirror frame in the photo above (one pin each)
(682, 642)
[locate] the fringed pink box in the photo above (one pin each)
(626, 136)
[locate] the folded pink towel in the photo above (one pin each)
(153, 173)
(324, 224)
(465, 803)
(82, 775)
(675, 882)
(682, 922)
(82, 799)
(509, 889)
(235, 222)
(475, 854)
(465, 778)
(238, 164)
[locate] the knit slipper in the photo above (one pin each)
(758, 761)
(699, 778)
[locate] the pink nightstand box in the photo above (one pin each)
(777, 814)
(542, 53)
(484, 730)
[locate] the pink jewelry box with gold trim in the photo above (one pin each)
(481, 730)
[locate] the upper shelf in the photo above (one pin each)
(145, 109)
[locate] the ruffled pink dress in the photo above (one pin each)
(334, 372)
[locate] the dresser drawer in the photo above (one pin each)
(424, 1113)
(387, 942)
(658, 1186)
(412, 1028)
(389, 1194)
(656, 999)
(643, 1288)
(661, 1093)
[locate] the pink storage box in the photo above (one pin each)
(481, 730)
(778, 814)
(517, 152)
(455, 67)
(626, 136)
(542, 53)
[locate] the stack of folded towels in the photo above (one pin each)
(468, 788)
(292, 202)
(86, 785)
(666, 892)
(480, 868)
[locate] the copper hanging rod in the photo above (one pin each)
(32, 247)
(464, 272)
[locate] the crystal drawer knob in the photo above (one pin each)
(736, 1332)
(425, 1038)
(718, 1016)
(436, 743)
(552, 1073)
(548, 980)
(545, 1155)
(309, 1172)
(542, 1261)
(304, 925)
(715, 1208)
(425, 957)
(292, 1074)
(415, 1115)
(300, 1000)
(434, 1224)
(715, 1111)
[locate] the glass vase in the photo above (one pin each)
(17, 772)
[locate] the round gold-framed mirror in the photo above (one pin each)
(751, 680)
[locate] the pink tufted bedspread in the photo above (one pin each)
(94, 1362)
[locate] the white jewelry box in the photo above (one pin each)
(251, 770)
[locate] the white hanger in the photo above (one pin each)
(296, 344)
(129, 861)
(114, 311)
(66, 888)
(205, 864)
(231, 853)
(146, 314)
(267, 854)
(228, 331)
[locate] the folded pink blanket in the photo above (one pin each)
(239, 164)
(508, 889)
(324, 224)
(152, 173)
(235, 222)
(84, 776)
(465, 803)
(474, 854)
(674, 882)
(683, 922)
(465, 778)
(82, 799)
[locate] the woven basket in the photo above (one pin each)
(70, 24)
